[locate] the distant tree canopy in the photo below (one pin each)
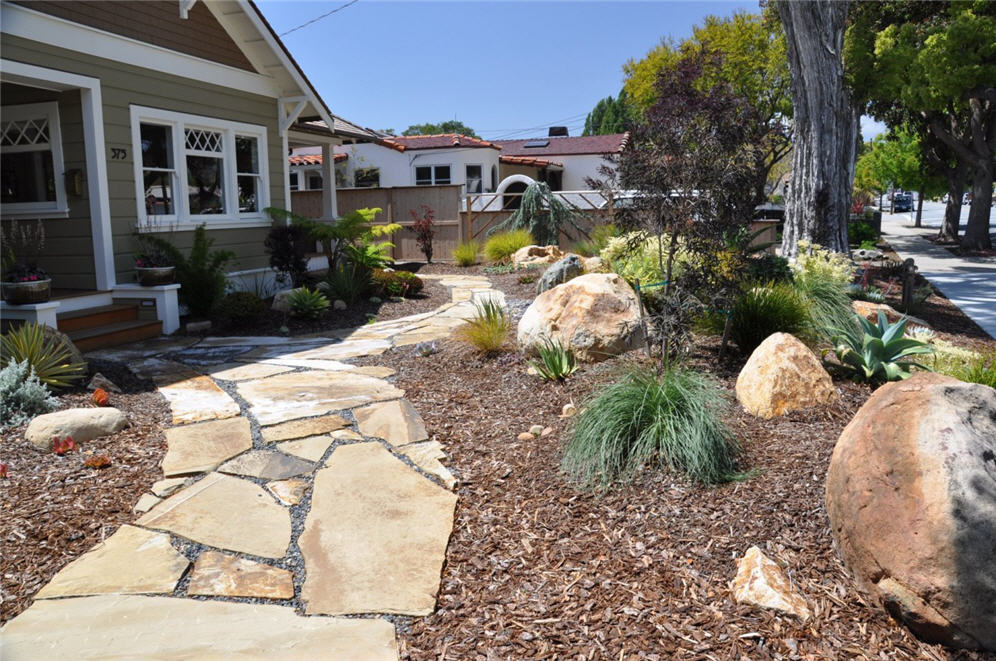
(449, 126)
(610, 115)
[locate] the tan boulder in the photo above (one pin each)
(911, 497)
(870, 311)
(281, 302)
(597, 315)
(594, 264)
(537, 255)
(761, 582)
(783, 375)
(81, 425)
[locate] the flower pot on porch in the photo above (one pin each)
(150, 276)
(25, 293)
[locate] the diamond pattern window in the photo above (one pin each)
(31, 166)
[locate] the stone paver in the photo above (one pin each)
(131, 561)
(201, 447)
(303, 394)
(375, 532)
(121, 627)
(266, 465)
(397, 422)
(223, 575)
(377, 543)
(227, 513)
(146, 502)
(311, 448)
(300, 428)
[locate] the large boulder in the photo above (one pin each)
(81, 425)
(537, 255)
(560, 272)
(596, 315)
(911, 496)
(870, 311)
(783, 375)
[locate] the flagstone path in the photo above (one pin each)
(294, 485)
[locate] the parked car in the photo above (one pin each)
(903, 202)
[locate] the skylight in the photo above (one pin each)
(536, 143)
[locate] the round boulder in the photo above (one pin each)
(783, 375)
(560, 272)
(911, 496)
(81, 425)
(537, 255)
(596, 315)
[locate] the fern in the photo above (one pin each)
(202, 274)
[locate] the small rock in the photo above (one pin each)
(560, 272)
(168, 486)
(761, 582)
(536, 430)
(375, 300)
(280, 302)
(81, 425)
(75, 355)
(289, 492)
(594, 265)
(525, 436)
(569, 410)
(546, 431)
(198, 326)
(537, 255)
(101, 381)
(339, 304)
(145, 503)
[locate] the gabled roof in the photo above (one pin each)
(529, 161)
(438, 141)
(589, 144)
(314, 159)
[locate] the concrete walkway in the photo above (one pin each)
(295, 485)
(969, 282)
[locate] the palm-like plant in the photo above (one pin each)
(46, 354)
(353, 236)
(878, 351)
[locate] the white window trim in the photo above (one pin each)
(182, 219)
(433, 167)
(59, 208)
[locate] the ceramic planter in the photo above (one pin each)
(25, 293)
(150, 276)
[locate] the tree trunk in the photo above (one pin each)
(952, 212)
(825, 123)
(919, 209)
(977, 228)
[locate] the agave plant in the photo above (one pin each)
(555, 362)
(46, 353)
(878, 351)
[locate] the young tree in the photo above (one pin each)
(752, 61)
(449, 126)
(897, 158)
(693, 159)
(825, 125)
(610, 115)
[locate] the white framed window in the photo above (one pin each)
(32, 174)
(191, 170)
(475, 178)
(432, 175)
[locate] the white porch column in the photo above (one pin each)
(329, 207)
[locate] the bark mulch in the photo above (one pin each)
(55, 508)
(538, 569)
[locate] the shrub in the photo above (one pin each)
(979, 370)
(501, 246)
(465, 254)
(543, 214)
(555, 362)
(527, 279)
(963, 364)
(307, 303)
(598, 239)
(424, 228)
(395, 283)
(488, 330)
(347, 283)
(674, 420)
(868, 245)
(285, 245)
(822, 278)
(240, 307)
(871, 294)
(760, 311)
(202, 274)
(766, 267)
(48, 355)
(22, 395)
(879, 352)
(860, 232)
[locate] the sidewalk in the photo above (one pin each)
(968, 282)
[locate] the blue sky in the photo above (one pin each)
(507, 69)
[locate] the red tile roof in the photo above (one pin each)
(529, 161)
(314, 159)
(589, 144)
(439, 141)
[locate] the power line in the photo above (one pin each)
(315, 20)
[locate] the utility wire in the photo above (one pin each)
(315, 20)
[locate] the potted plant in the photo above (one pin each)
(153, 262)
(24, 282)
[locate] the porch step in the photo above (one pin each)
(98, 316)
(111, 335)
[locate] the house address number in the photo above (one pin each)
(119, 154)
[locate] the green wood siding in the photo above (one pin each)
(122, 86)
